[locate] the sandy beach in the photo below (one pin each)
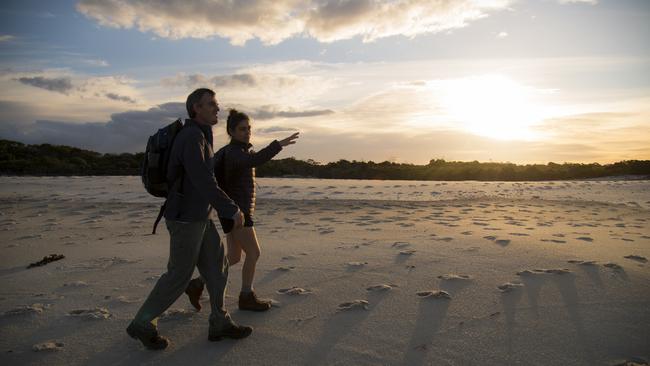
(362, 273)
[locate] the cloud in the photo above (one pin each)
(70, 86)
(297, 82)
(592, 2)
(274, 22)
(231, 81)
(6, 37)
(125, 132)
(121, 98)
(95, 62)
(60, 85)
(269, 112)
(276, 129)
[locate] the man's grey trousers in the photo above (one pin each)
(191, 244)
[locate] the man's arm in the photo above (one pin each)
(199, 174)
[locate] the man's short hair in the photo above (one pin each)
(194, 98)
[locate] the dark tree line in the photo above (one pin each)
(20, 159)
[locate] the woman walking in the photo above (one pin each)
(237, 179)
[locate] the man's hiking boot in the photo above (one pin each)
(148, 335)
(249, 301)
(232, 331)
(194, 290)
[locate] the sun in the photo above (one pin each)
(493, 106)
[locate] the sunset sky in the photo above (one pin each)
(525, 81)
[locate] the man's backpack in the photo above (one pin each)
(156, 159)
(220, 166)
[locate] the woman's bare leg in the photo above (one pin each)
(246, 240)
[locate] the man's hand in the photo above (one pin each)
(238, 220)
(289, 140)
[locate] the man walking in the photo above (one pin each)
(194, 240)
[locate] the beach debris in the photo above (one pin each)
(351, 305)
(47, 346)
(509, 286)
(96, 313)
(294, 291)
(434, 294)
(47, 259)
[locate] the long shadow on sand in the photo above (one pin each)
(509, 302)
(337, 326)
(567, 287)
(271, 275)
(198, 351)
(431, 314)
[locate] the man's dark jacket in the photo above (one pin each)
(193, 157)
(239, 171)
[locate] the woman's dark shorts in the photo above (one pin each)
(227, 224)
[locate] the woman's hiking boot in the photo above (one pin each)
(233, 331)
(249, 301)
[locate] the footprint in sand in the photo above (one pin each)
(637, 258)
(48, 346)
(613, 266)
(502, 242)
(582, 263)
(293, 291)
(352, 305)
(176, 314)
(509, 286)
(285, 269)
(96, 313)
(76, 284)
(585, 238)
(529, 272)
(400, 244)
(434, 294)
(490, 237)
(380, 287)
(407, 252)
(557, 241)
(27, 310)
(445, 239)
(455, 277)
(356, 265)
